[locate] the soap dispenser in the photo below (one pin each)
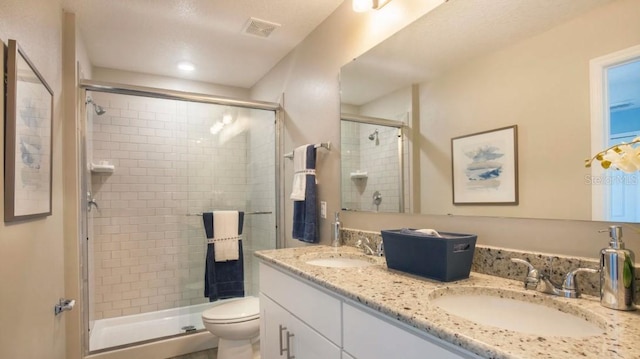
(616, 273)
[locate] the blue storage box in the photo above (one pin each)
(445, 258)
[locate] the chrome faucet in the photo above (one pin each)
(365, 244)
(540, 282)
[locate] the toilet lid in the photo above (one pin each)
(235, 310)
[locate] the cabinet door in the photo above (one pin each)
(273, 326)
(369, 336)
(283, 336)
(313, 306)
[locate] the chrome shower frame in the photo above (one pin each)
(389, 123)
(99, 86)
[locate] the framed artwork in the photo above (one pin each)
(28, 139)
(485, 167)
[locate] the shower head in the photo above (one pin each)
(99, 109)
(373, 135)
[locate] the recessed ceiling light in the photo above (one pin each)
(186, 66)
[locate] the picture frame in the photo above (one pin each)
(28, 139)
(484, 167)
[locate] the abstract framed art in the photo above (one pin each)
(485, 167)
(28, 139)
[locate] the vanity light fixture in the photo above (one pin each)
(186, 66)
(366, 5)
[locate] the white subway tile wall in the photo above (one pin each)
(148, 254)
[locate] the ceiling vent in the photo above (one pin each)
(259, 28)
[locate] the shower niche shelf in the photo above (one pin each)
(359, 175)
(102, 167)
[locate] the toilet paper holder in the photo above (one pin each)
(64, 305)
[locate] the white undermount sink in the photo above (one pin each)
(513, 311)
(333, 260)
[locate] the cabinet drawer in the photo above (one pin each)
(369, 336)
(314, 307)
(284, 336)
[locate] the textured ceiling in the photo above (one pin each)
(152, 36)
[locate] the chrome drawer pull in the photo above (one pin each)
(282, 329)
(289, 356)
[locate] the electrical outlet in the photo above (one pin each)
(323, 209)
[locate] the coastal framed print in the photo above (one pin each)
(485, 167)
(28, 139)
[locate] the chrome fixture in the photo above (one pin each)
(336, 242)
(541, 282)
(373, 135)
(617, 288)
(366, 5)
(188, 328)
(325, 145)
(288, 338)
(91, 202)
(246, 213)
(99, 109)
(365, 244)
(64, 305)
(377, 199)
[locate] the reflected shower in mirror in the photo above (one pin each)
(372, 164)
(478, 65)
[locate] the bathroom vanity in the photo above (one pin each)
(325, 302)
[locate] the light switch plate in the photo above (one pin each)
(323, 209)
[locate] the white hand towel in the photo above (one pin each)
(226, 236)
(299, 173)
(429, 231)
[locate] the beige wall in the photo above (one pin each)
(31, 252)
(308, 78)
(170, 83)
(542, 85)
(306, 81)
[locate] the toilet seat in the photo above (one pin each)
(233, 311)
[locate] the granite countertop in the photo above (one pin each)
(407, 298)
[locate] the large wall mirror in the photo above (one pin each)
(473, 66)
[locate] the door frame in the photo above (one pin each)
(600, 120)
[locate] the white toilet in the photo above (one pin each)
(235, 322)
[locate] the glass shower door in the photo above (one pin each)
(154, 164)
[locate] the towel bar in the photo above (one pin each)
(326, 145)
(258, 212)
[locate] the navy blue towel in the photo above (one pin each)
(222, 279)
(305, 213)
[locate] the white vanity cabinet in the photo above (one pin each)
(297, 320)
(302, 320)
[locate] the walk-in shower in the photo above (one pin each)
(153, 167)
(372, 164)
